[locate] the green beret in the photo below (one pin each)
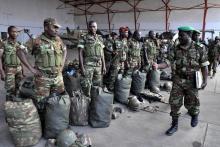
(197, 31)
(186, 28)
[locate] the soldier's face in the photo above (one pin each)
(124, 34)
(196, 37)
(52, 30)
(13, 33)
(152, 34)
(93, 28)
(184, 38)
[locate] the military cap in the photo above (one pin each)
(197, 31)
(51, 21)
(186, 28)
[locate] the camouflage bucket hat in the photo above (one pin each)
(51, 21)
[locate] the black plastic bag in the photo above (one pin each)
(100, 108)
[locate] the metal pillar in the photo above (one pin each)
(204, 19)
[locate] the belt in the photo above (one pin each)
(50, 74)
(187, 77)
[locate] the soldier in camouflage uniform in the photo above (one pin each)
(119, 57)
(134, 52)
(91, 57)
(10, 68)
(50, 54)
(150, 51)
(185, 59)
(109, 49)
(214, 55)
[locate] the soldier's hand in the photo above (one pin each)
(204, 84)
(103, 70)
(83, 71)
(155, 66)
(3, 76)
(36, 72)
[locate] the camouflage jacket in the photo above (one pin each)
(214, 51)
(134, 48)
(48, 53)
(92, 48)
(152, 49)
(120, 48)
(187, 61)
(9, 54)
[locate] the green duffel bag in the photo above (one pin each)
(79, 109)
(56, 115)
(23, 122)
(122, 89)
(138, 82)
(100, 108)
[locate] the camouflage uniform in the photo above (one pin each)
(134, 52)
(120, 48)
(48, 60)
(12, 67)
(213, 55)
(108, 52)
(92, 56)
(184, 63)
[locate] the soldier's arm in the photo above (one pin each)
(204, 65)
(64, 54)
(21, 53)
(2, 72)
(80, 46)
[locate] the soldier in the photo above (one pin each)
(50, 54)
(134, 58)
(11, 68)
(213, 55)
(150, 47)
(109, 49)
(119, 57)
(91, 57)
(185, 59)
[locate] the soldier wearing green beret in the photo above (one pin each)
(185, 59)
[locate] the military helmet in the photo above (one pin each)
(66, 138)
(167, 86)
(133, 103)
(154, 89)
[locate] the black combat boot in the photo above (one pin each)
(173, 128)
(194, 120)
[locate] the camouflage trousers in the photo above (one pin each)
(12, 80)
(92, 76)
(134, 63)
(45, 85)
(213, 65)
(184, 90)
(113, 73)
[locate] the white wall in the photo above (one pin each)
(30, 14)
(156, 20)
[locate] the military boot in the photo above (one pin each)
(173, 128)
(194, 120)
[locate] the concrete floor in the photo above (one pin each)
(144, 129)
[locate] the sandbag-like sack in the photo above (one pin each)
(23, 122)
(79, 109)
(56, 115)
(100, 108)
